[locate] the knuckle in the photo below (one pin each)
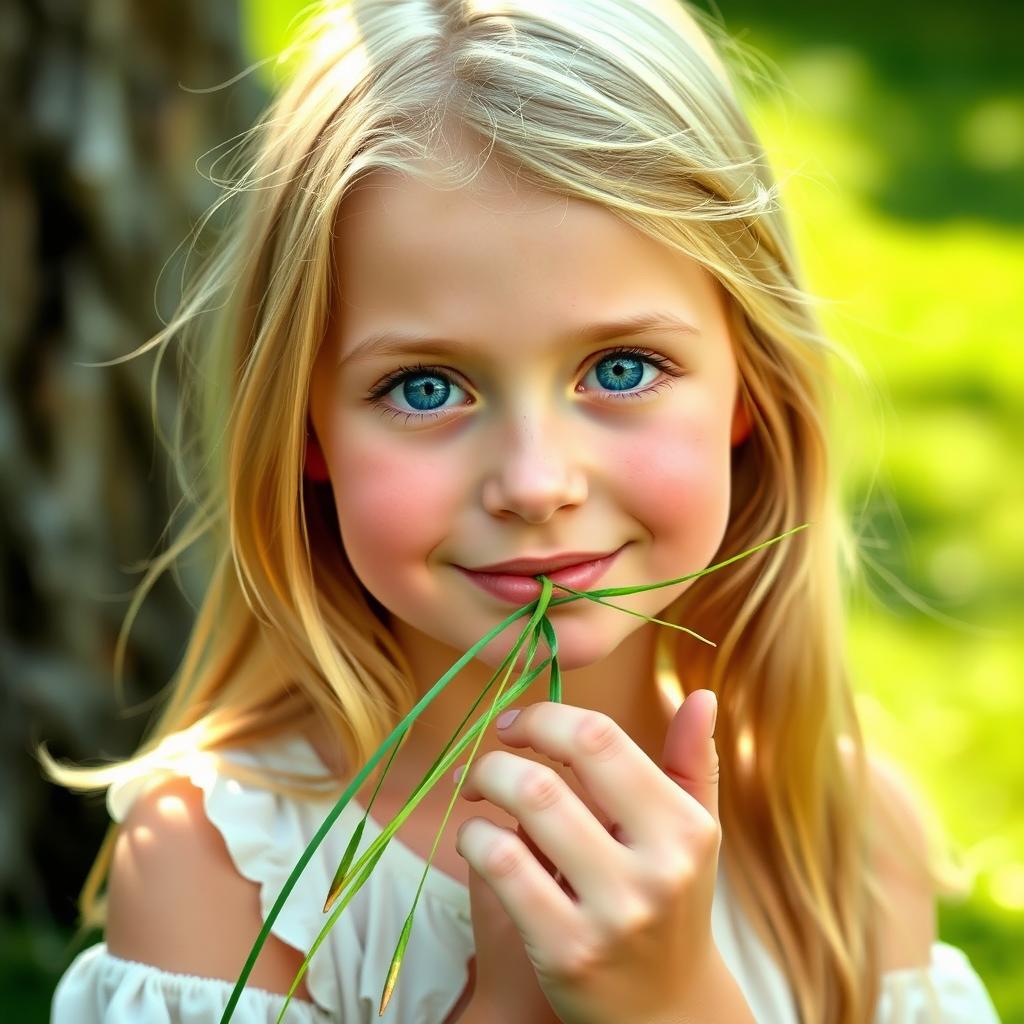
(671, 873)
(598, 735)
(540, 788)
(575, 961)
(707, 837)
(633, 915)
(697, 827)
(504, 856)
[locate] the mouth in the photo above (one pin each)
(520, 588)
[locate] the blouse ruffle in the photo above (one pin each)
(947, 991)
(100, 988)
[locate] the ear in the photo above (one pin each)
(742, 422)
(315, 468)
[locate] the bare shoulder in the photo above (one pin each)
(900, 859)
(177, 901)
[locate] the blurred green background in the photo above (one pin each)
(898, 133)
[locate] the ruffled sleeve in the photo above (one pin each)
(947, 991)
(265, 834)
(100, 988)
(264, 838)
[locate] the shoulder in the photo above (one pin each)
(900, 858)
(177, 901)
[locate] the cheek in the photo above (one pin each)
(676, 483)
(392, 510)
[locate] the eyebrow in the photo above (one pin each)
(391, 343)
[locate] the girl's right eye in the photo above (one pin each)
(428, 385)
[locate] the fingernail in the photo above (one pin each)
(457, 774)
(714, 718)
(506, 718)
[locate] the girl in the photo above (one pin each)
(510, 283)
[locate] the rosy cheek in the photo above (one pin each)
(393, 508)
(676, 484)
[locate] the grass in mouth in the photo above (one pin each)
(346, 881)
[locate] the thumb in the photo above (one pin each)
(690, 757)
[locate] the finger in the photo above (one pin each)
(690, 757)
(649, 807)
(558, 822)
(536, 904)
(545, 863)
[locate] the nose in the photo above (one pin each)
(535, 473)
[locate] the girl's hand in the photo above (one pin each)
(502, 986)
(631, 940)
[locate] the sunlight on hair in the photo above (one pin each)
(745, 748)
(666, 677)
(200, 766)
(670, 688)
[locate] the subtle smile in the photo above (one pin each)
(520, 589)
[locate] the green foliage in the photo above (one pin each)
(935, 456)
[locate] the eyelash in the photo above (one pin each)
(398, 375)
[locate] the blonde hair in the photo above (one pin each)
(629, 104)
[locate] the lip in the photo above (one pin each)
(519, 588)
(535, 566)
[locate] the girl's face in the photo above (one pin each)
(523, 436)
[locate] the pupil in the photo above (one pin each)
(620, 373)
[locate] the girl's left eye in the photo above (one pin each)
(427, 387)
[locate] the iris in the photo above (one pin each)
(433, 389)
(628, 370)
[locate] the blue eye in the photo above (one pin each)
(426, 388)
(621, 371)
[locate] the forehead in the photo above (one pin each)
(500, 260)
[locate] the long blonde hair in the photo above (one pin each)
(625, 103)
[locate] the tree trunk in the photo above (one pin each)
(98, 186)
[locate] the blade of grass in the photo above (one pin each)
(617, 591)
(357, 834)
(340, 874)
(555, 683)
(640, 615)
(396, 960)
(343, 800)
(376, 848)
(555, 686)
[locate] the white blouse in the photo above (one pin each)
(266, 833)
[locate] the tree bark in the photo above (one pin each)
(98, 187)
